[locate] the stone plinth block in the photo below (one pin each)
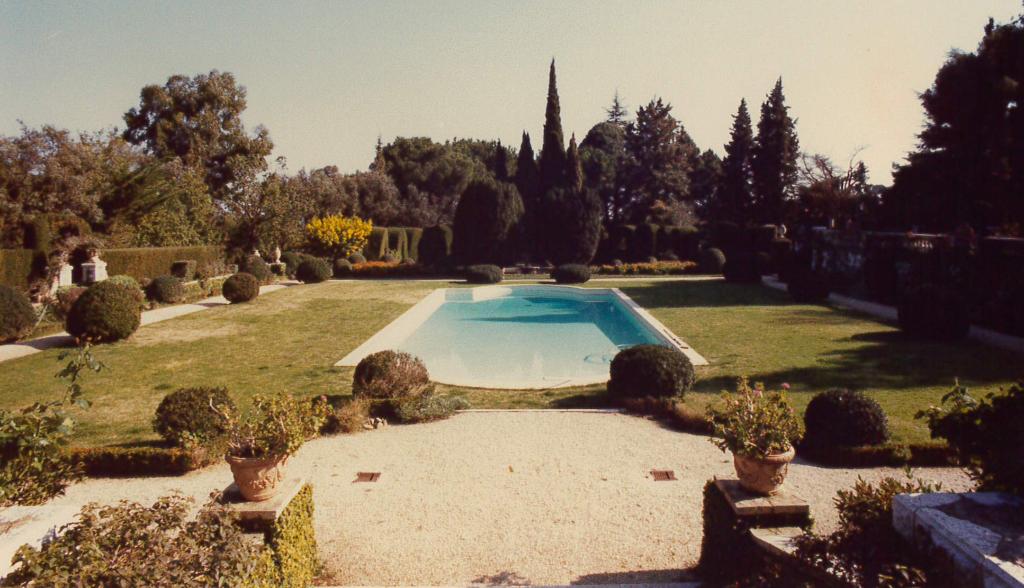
(745, 503)
(259, 516)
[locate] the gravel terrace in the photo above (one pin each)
(541, 497)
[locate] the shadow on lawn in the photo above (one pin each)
(696, 294)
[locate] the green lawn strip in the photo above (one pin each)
(289, 340)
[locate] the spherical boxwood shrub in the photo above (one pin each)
(483, 274)
(291, 260)
(650, 370)
(166, 290)
(807, 286)
(342, 268)
(356, 258)
(313, 271)
(186, 414)
(712, 260)
(844, 418)
(571, 273)
(741, 269)
(390, 258)
(17, 316)
(241, 287)
(934, 312)
(65, 299)
(131, 285)
(105, 312)
(389, 374)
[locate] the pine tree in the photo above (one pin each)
(735, 197)
(661, 156)
(573, 167)
(617, 112)
(774, 161)
(552, 153)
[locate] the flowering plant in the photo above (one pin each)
(339, 236)
(753, 422)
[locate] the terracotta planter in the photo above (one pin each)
(763, 475)
(257, 478)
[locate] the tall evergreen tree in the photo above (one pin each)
(527, 180)
(735, 198)
(661, 156)
(617, 113)
(501, 163)
(705, 178)
(603, 154)
(774, 161)
(573, 167)
(552, 153)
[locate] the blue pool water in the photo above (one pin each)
(526, 337)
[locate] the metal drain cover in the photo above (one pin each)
(663, 475)
(367, 477)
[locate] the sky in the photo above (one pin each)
(327, 78)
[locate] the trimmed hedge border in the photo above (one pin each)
(151, 262)
(16, 268)
(290, 556)
(127, 462)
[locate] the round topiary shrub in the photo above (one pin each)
(186, 414)
(241, 287)
(650, 370)
(764, 264)
(617, 263)
(389, 374)
(291, 261)
(741, 269)
(844, 418)
(571, 273)
(17, 317)
(712, 260)
(314, 270)
(342, 268)
(807, 286)
(483, 274)
(390, 258)
(934, 312)
(259, 269)
(65, 299)
(105, 312)
(131, 285)
(356, 258)
(166, 290)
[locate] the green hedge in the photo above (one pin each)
(414, 235)
(398, 242)
(16, 268)
(377, 244)
(121, 462)
(150, 262)
(291, 558)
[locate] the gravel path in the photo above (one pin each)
(545, 497)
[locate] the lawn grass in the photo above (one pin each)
(289, 340)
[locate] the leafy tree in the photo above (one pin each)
(50, 170)
(705, 178)
(376, 198)
(487, 154)
(617, 113)
(431, 176)
(831, 196)
(661, 156)
(734, 201)
(552, 153)
(774, 158)
(603, 157)
(199, 120)
(969, 165)
(487, 223)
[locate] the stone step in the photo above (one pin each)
(777, 540)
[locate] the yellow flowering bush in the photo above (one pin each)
(337, 235)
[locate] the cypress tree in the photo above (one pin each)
(552, 152)
(573, 167)
(774, 158)
(487, 222)
(527, 180)
(735, 198)
(501, 163)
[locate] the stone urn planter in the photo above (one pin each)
(763, 475)
(257, 478)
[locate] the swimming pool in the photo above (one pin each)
(521, 336)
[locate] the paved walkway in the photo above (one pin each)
(889, 313)
(510, 497)
(62, 339)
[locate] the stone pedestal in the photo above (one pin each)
(94, 270)
(64, 275)
(261, 516)
(981, 532)
(736, 525)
